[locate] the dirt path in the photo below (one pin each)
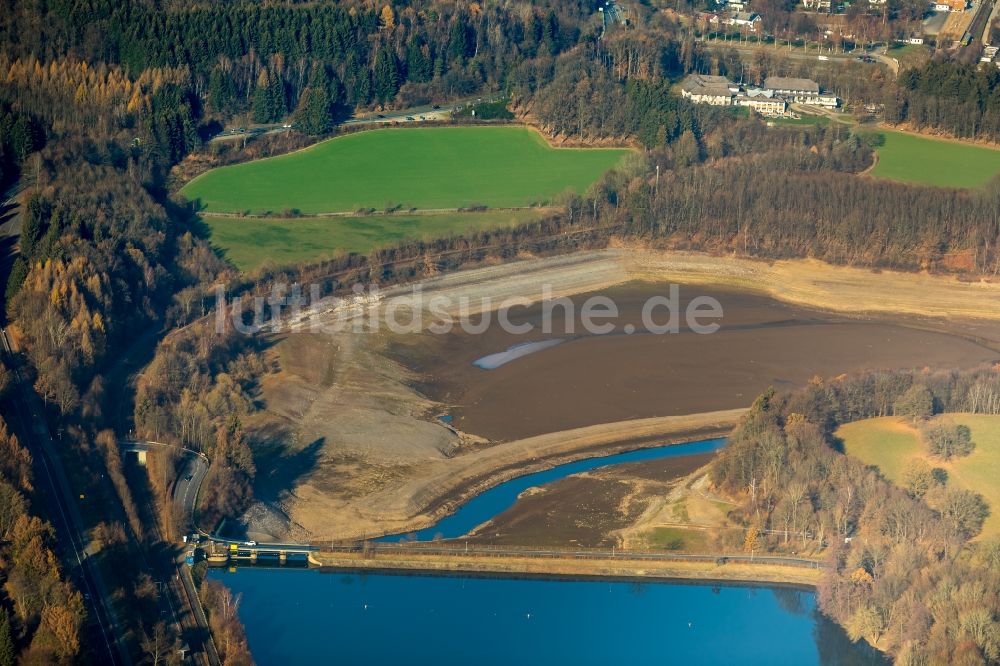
(399, 212)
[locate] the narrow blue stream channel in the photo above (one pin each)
(308, 617)
(498, 499)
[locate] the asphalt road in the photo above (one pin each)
(192, 476)
(839, 58)
(189, 482)
(416, 114)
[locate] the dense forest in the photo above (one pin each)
(960, 100)
(264, 57)
(903, 574)
(41, 613)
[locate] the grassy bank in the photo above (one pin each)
(440, 167)
(253, 242)
(891, 444)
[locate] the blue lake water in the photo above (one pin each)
(309, 617)
(498, 499)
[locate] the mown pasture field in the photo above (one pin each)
(250, 243)
(427, 168)
(890, 444)
(916, 159)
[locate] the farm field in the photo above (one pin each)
(439, 167)
(253, 242)
(917, 159)
(890, 443)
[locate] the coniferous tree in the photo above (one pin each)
(269, 98)
(7, 654)
(419, 67)
(386, 78)
(461, 42)
(221, 94)
(315, 112)
(357, 82)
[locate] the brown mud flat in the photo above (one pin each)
(586, 509)
(590, 379)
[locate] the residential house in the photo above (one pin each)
(744, 19)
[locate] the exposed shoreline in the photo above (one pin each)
(412, 488)
(422, 502)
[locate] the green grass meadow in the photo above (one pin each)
(434, 167)
(250, 243)
(890, 445)
(676, 538)
(915, 159)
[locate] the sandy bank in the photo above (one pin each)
(813, 283)
(806, 282)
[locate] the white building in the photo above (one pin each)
(800, 91)
(705, 89)
(744, 19)
(764, 102)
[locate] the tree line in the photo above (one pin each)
(265, 58)
(902, 573)
(961, 100)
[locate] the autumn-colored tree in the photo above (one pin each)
(751, 541)
(230, 636)
(15, 460)
(918, 477)
(387, 18)
(861, 576)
